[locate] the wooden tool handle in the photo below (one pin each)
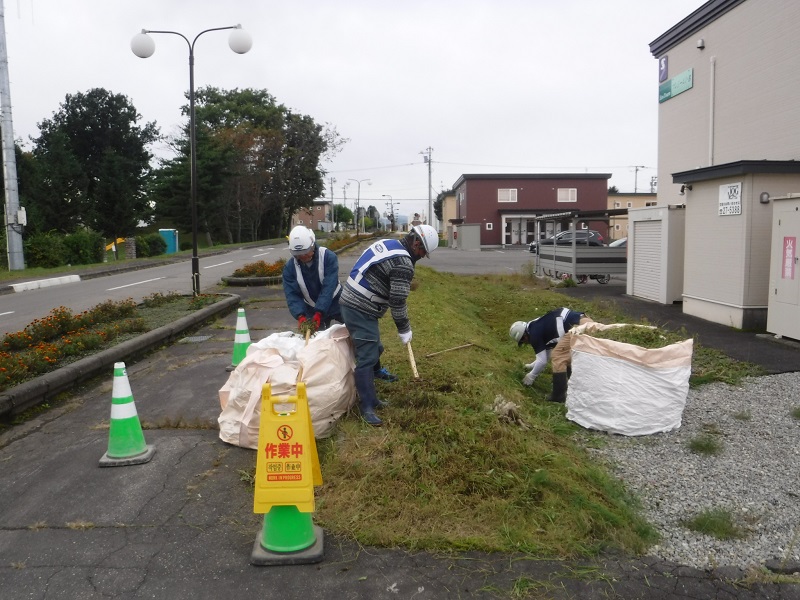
(412, 361)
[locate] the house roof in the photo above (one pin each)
(706, 14)
(740, 167)
(485, 176)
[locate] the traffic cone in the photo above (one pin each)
(126, 445)
(240, 341)
(284, 489)
(288, 537)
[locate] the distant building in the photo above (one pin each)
(505, 205)
(319, 217)
(618, 225)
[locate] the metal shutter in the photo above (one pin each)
(647, 261)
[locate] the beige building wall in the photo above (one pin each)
(743, 103)
(727, 260)
(618, 226)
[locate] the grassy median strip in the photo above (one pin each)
(445, 473)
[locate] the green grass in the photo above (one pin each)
(717, 523)
(444, 473)
(705, 444)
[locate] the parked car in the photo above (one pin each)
(620, 243)
(583, 237)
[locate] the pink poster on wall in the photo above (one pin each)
(789, 254)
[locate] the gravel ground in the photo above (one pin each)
(755, 477)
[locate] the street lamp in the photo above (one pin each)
(391, 210)
(143, 46)
(358, 197)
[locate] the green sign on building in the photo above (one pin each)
(677, 85)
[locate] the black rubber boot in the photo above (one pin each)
(569, 371)
(559, 388)
(367, 398)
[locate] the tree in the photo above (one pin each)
(613, 190)
(94, 162)
(438, 204)
(342, 214)
(257, 164)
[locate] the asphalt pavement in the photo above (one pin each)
(182, 525)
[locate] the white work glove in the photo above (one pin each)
(405, 337)
(529, 379)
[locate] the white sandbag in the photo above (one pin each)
(626, 389)
(327, 363)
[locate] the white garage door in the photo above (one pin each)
(647, 260)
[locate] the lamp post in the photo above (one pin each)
(143, 46)
(391, 210)
(358, 198)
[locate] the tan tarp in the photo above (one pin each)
(626, 389)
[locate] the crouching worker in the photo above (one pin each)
(549, 335)
(311, 280)
(381, 281)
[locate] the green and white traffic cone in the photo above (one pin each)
(126, 445)
(288, 537)
(241, 341)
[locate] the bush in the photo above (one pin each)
(84, 247)
(45, 250)
(150, 244)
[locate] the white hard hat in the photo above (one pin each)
(518, 329)
(429, 237)
(301, 240)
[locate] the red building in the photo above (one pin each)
(505, 205)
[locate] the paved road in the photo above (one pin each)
(20, 308)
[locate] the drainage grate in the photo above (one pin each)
(194, 339)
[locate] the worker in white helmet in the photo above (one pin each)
(549, 335)
(381, 281)
(311, 280)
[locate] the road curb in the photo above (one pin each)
(26, 395)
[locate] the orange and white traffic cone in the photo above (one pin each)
(126, 445)
(241, 340)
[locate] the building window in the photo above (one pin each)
(507, 195)
(567, 194)
(617, 205)
(319, 207)
(490, 226)
(651, 203)
(617, 227)
(630, 204)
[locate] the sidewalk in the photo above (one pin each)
(182, 525)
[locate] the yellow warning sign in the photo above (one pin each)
(287, 465)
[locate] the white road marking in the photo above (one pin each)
(262, 254)
(130, 284)
(11, 312)
(218, 265)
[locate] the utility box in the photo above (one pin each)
(783, 306)
(171, 237)
(656, 236)
(469, 236)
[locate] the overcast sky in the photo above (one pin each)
(492, 86)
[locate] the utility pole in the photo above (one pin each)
(333, 204)
(653, 184)
(427, 159)
(14, 216)
(636, 178)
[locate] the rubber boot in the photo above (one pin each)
(569, 371)
(559, 388)
(367, 398)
